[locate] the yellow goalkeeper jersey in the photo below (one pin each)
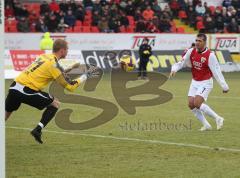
(42, 71)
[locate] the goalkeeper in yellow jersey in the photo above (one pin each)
(27, 87)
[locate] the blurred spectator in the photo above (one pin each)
(219, 24)
(44, 7)
(114, 24)
(152, 28)
(23, 25)
(130, 9)
(97, 6)
(200, 9)
(233, 26)
(141, 26)
(164, 25)
(95, 18)
(8, 12)
(46, 42)
(40, 25)
(209, 24)
(124, 20)
(103, 25)
(54, 7)
(63, 6)
(33, 18)
(62, 26)
(191, 16)
(88, 4)
(21, 11)
(79, 14)
(60, 15)
(52, 23)
(148, 13)
(174, 6)
(70, 19)
(138, 15)
(236, 4)
(156, 8)
(74, 6)
(226, 3)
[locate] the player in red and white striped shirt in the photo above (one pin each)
(204, 65)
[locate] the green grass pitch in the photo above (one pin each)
(121, 149)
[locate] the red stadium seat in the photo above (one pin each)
(77, 29)
(130, 29)
(94, 29)
(200, 25)
(12, 28)
(87, 23)
(122, 29)
(182, 15)
(199, 18)
(212, 9)
(69, 30)
(180, 30)
(78, 23)
(86, 29)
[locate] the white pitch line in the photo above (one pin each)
(136, 140)
(215, 97)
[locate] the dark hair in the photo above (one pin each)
(203, 36)
(193, 45)
(59, 44)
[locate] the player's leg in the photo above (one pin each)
(145, 62)
(197, 113)
(41, 100)
(140, 68)
(7, 115)
(199, 103)
(12, 102)
(48, 114)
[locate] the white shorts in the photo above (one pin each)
(201, 88)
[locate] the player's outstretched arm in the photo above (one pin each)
(181, 64)
(217, 73)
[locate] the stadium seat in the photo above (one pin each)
(94, 29)
(86, 23)
(180, 30)
(77, 29)
(12, 28)
(200, 25)
(11, 22)
(68, 30)
(212, 9)
(122, 29)
(86, 29)
(130, 29)
(199, 18)
(78, 23)
(182, 15)
(131, 20)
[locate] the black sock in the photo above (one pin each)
(47, 116)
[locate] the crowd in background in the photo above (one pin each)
(224, 18)
(111, 16)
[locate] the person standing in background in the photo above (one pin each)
(145, 51)
(47, 42)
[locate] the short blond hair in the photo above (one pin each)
(59, 44)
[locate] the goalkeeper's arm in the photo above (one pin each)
(71, 85)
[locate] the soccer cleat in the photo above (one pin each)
(205, 128)
(219, 122)
(37, 135)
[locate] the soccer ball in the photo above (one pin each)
(127, 63)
